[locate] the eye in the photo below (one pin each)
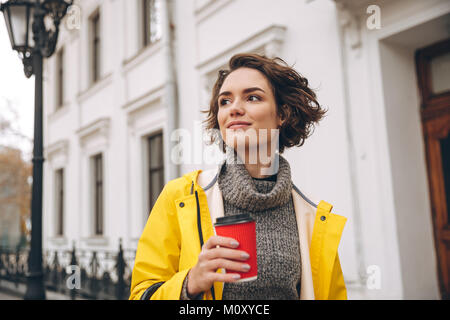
(223, 102)
(253, 96)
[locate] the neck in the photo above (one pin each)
(259, 166)
(256, 170)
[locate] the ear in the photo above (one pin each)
(282, 116)
(280, 124)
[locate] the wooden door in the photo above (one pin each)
(433, 70)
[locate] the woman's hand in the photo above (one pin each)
(203, 275)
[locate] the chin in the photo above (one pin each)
(242, 146)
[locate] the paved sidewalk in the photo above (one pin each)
(8, 296)
(8, 291)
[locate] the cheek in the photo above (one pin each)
(221, 120)
(267, 118)
(275, 117)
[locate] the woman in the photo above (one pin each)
(257, 104)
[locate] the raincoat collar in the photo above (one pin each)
(315, 223)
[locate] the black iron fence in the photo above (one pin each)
(86, 274)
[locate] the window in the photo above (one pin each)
(445, 154)
(151, 10)
(440, 73)
(59, 204)
(155, 167)
(97, 162)
(60, 78)
(94, 22)
(433, 66)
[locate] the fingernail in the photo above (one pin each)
(246, 267)
(236, 276)
(245, 255)
(234, 244)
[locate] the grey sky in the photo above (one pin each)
(17, 89)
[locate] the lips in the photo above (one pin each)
(238, 124)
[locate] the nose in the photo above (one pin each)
(236, 108)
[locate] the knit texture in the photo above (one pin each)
(270, 204)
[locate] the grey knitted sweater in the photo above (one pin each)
(269, 202)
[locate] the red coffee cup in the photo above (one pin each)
(242, 228)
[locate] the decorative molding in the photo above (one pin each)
(99, 129)
(148, 97)
(149, 106)
(269, 41)
(59, 241)
(60, 150)
(208, 8)
(199, 6)
(141, 56)
(58, 113)
(95, 88)
(94, 241)
(349, 22)
(358, 7)
(147, 118)
(352, 16)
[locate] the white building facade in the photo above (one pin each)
(122, 81)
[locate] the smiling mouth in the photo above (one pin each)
(238, 126)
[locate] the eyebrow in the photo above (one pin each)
(227, 93)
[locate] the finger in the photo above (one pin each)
(229, 265)
(226, 277)
(215, 241)
(226, 253)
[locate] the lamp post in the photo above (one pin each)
(31, 38)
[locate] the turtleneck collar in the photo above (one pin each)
(241, 190)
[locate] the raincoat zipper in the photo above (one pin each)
(200, 233)
(152, 289)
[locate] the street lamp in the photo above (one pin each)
(31, 38)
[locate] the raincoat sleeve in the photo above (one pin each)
(338, 290)
(158, 252)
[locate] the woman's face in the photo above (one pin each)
(247, 101)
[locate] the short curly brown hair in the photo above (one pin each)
(296, 102)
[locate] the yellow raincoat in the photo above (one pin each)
(182, 220)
